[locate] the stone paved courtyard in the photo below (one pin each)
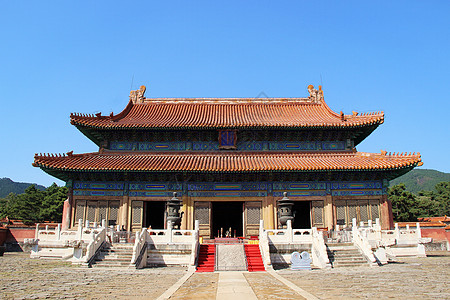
(25, 278)
(414, 278)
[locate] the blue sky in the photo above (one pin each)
(58, 57)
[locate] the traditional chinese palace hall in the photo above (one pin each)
(229, 160)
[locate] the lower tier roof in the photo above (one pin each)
(107, 161)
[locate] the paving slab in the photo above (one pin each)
(233, 285)
(267, 287)
(199, 286)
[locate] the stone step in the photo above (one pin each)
(351, 258)
(349, 264)
(345, 255)
(118, 249)
(128, 259)
(338, 244)
(348, 254)
(116, 252)
(343, 248)
(110, 265)
(114, 256)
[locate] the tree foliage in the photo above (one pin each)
(407, 207)
(35, 205)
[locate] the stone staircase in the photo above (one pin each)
(254, 259)
(115, 255)
(345, 255)
(206, 258)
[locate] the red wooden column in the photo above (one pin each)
(387, 218)
(67, 208)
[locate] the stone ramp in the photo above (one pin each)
(230, 257)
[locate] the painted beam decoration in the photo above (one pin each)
(227, 140)
(110, 189)
(242, 189)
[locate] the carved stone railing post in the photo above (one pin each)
(80, 230)
(289, 231)
(418, 231)
(169, 232)
(58, 232)
(397, 232)
(261, 228)
(36, 234)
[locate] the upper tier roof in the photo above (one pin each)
(110, 161)
(190, 113)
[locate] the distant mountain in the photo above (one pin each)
(421, 179)
(8, 186)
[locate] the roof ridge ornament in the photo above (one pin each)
(137, 96)
(316, 96)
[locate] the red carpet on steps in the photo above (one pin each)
(254, 259)
(206, 258)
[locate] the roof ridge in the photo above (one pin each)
(63, 155)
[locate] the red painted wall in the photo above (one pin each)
(18, 234)
(3, 234)
(437, 234)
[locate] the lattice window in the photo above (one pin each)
(202, 214)
(80, 208)
(253, 215)
(318, 212)
(352, 204)
(363, 211)
(374, 209)
(102, 211)
(136, 212)
(340, 212)
(91, 208)
(113, 212)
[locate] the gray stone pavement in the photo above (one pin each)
(25, 278)
(414, 278)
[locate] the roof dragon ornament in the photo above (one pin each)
(316, 96)
(137, 96)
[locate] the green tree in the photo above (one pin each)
(52, 204)
(404, 208)
(439, 199)
(25, 206)
(35, 205)
(443, 197)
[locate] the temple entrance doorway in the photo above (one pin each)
(302, 215)
(154, 214)
(226, 215)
